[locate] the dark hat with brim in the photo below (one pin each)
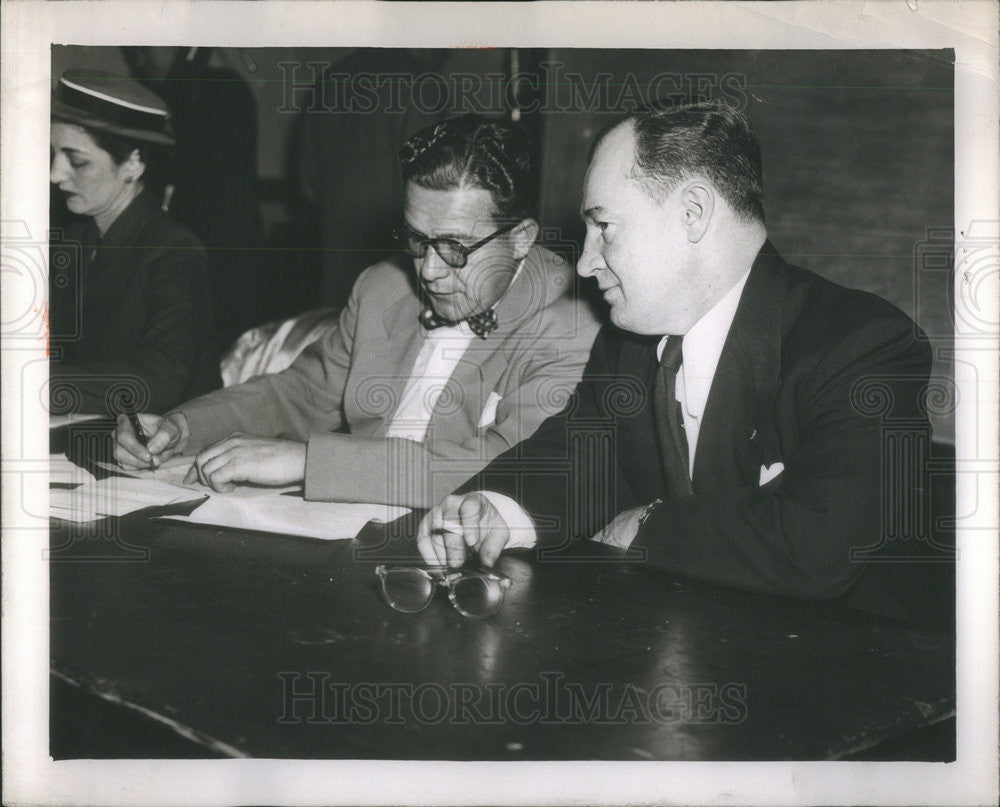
(114, 104)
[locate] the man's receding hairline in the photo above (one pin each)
(653, 186)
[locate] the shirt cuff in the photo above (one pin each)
(522, 529)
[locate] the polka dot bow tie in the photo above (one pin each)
(479, 324)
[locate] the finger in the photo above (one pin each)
(127, 460)
(493, 544)
(470, 516)
(162, 435)
(199, 462)
(436, 541)
(454, 549)
(497, 535)
(425, 543)
(221, 471)
(163, 456)
(450, 520)
(191, 476)
(206, 456)
(126, 438)
(447, 541)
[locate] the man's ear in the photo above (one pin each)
(523, 237)
(697, 206)
(133, 168)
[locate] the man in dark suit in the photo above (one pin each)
(722, 429)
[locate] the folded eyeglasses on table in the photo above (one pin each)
(476, 592)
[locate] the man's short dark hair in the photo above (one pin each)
(474, 151)
(708, 139)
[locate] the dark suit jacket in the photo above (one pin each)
(134, 328)
(812, 375)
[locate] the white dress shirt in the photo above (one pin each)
(702, 349)
(439, 355)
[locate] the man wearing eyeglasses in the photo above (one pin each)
(444, 357)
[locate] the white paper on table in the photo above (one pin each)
(63, 471)
(290, 515)
(115, 496)
(58, 421)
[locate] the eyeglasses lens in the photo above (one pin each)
(477, 597)
(407, 590)
(451, 253)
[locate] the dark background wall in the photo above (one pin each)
(857, 147)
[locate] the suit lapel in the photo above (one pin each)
(636, 440)
(728, 451)
(404, 338)
(115, 255)
(541, 280)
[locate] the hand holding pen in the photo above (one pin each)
(140, 435)
(147, 441)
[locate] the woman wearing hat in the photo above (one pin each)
(130, 305)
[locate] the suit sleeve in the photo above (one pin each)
(567, 475)
(542, 373)
(305, 397)
(794, 535)
(169, 352)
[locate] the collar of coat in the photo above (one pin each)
(132, 219)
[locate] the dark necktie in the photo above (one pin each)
(670, 422)
(480, 324)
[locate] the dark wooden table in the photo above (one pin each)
(262, 645)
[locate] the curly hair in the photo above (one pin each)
(474, 151)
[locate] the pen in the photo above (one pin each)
(140, 435)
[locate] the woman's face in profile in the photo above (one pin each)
(86, 174)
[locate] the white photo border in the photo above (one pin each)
(30, 27)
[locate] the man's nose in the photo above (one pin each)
(591, 258)
(432, 265)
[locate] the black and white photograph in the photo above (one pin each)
(514, 403)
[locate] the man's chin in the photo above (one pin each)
(620, 319)
(447, 312)
(627, 321)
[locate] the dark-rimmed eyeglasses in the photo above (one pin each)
(475, 593)
(453, 253)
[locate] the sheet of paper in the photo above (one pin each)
(291, 515)
(58, 421)
(114, 496)
(64, 473)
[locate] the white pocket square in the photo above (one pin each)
(769, 472)
(489, 416)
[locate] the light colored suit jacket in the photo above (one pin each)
(341, 393)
